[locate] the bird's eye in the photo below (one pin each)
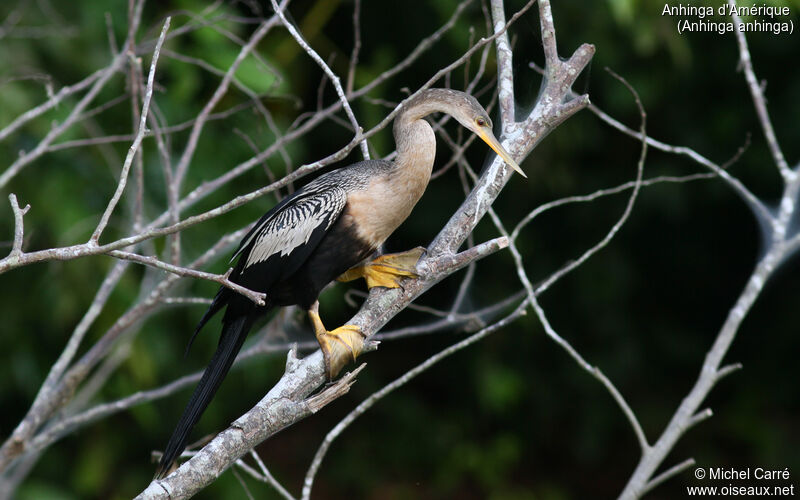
(480, 122)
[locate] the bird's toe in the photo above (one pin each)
(340, 347)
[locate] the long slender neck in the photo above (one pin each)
(416, 148)
(416, 143)
(397, 190)
(414, 137)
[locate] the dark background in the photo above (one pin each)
(512, 417)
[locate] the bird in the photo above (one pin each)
(328, 230)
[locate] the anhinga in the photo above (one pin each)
(323, 232)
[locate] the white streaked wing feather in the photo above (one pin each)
(293, 226)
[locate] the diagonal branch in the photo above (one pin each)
(221, 279)
(194, 136)
(757, 93)
(351, 70)
(592, 370)
(337, 83)
(266, 476)
(137, 141)
(758, 208)
(103, 77)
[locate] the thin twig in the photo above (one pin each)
(197, 128)
(505, 76)
(19, 213)
(103, 76)
(269, 477)
(222, 279)
(757, 93)
(351, 70)
(551, 332)
(397, 383)
(337, 84)
(137, 141)
(51, 103)
(205, 301)
(243, 484)
(668, 474)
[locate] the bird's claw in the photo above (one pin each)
(387, 270)
(340, 347)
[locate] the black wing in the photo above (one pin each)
(275, 248)
(279, 243)
(291, 233)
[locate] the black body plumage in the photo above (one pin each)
(291, 254)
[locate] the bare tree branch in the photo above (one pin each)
(668, 474)
(103, 77)
(264, 475)
(188, 153)
(19, 214)
(337, 84)
(351, 70)
(137, 141)
(711, 371)
(757, 93)
(222, 279)
(505, 76)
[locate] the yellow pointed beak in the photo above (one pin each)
(489, 138)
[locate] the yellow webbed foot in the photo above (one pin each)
(387, 270)
(340, 346)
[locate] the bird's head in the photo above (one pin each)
(469, 113)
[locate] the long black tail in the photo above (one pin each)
(230, 342)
